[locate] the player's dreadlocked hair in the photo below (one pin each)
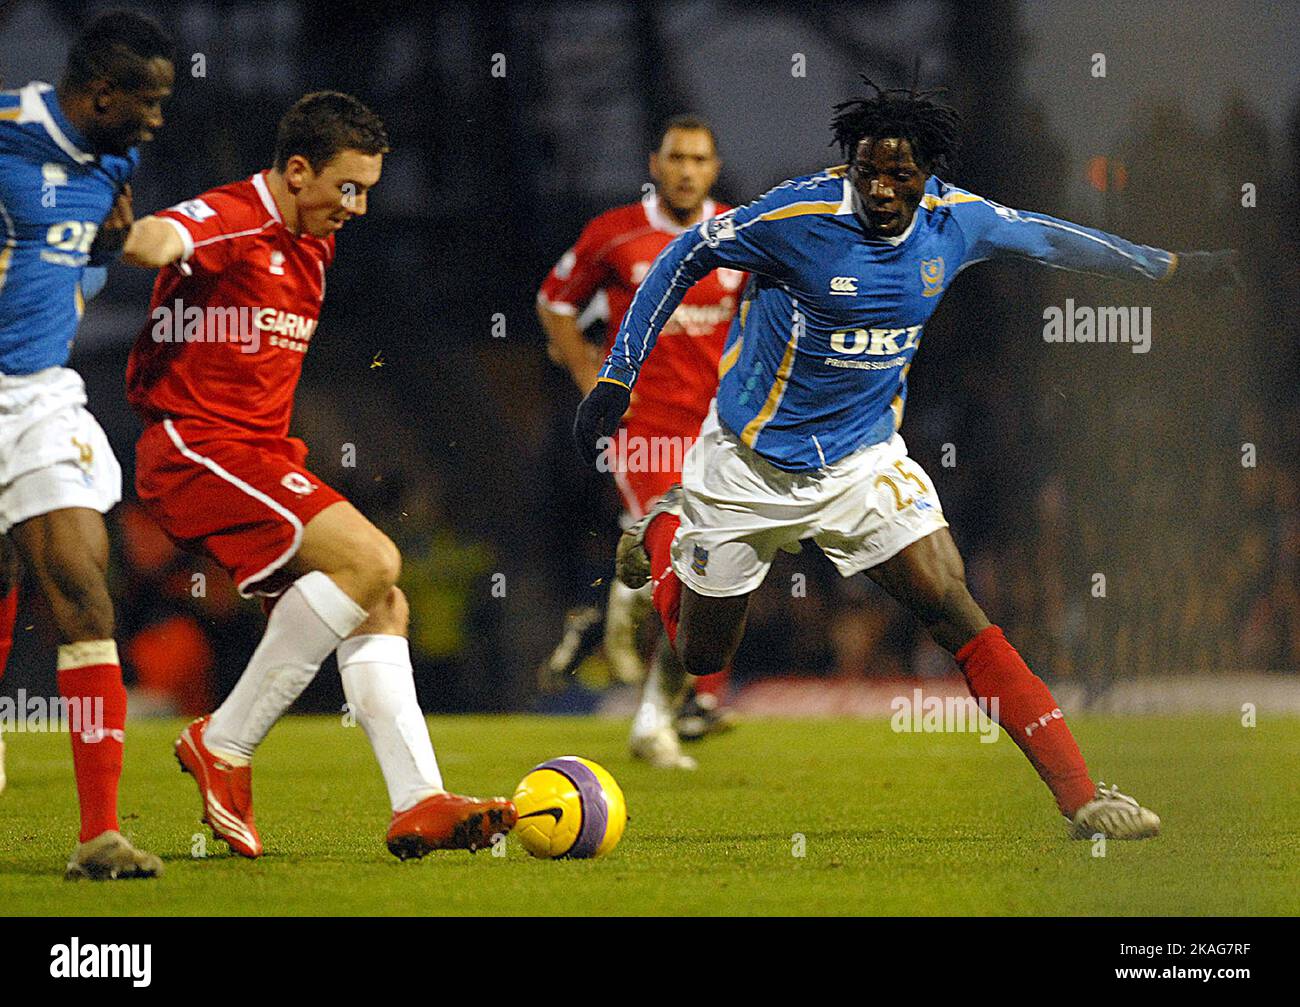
(931, 128)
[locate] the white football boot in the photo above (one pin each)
(631, 561)
(654, 736)
(1114, 816)
(624, 614)
(581, 637)
(110, 856)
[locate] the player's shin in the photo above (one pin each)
(654, 738)
(1019, 700)
(667, 588)
(90, 683)
(310, 620)
(380, 689)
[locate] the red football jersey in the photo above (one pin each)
(614, 253)
(228, 327)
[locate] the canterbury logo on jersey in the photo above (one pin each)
(844, 285)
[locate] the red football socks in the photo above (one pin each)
(996, 673)
(8, 616)
(667, 591)
(90, 679)
(714, 685)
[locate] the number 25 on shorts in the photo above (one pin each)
(908, 476)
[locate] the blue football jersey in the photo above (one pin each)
(54, 194)
(816, 361)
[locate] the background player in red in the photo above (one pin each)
(613, 254)
(213, 373)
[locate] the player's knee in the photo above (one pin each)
(388, 562)
(392, 616)
(376, 564)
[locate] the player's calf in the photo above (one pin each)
(67, 553)
(710, 631)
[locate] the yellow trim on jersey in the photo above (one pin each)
(839, 171)
(729, 358)
(614, 381)
(11, 114)
(755, 426)
(930, 200)
(5, 255)
(897, 404)
(80, 300)
(800, 209)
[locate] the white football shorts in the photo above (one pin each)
(53, 453)
(738, 510)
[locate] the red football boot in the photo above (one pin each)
(449, 822)
(226, 791)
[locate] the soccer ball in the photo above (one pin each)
(569, 807)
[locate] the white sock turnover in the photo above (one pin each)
(308, 622)
(380, 688)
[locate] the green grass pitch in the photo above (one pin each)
(891, 824)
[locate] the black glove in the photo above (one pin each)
(599, 416)
(107, 246)
(1220, 268)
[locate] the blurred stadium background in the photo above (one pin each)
(1071, 460)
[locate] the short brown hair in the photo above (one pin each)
(686, 122)
(323, 124)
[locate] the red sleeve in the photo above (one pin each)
(581, 271)
(208, 225)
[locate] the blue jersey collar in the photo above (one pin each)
(40, 104)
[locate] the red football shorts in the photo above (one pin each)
(241, 501)
(646, 462)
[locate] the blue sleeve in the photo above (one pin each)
(993, 231)
(124, 167)
(93, 279)
(743, 239)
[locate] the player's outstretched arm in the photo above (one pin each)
(995, 231)
(153, 243)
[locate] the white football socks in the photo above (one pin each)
(307, 623)
(380, 688)
(665, 684)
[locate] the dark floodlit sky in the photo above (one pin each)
(1199, 52)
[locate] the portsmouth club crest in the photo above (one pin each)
(700, 561)
(932, 277)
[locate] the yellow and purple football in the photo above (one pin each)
(569, 807)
